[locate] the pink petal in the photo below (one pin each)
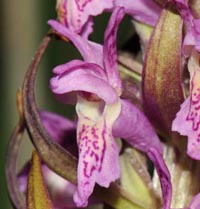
(98, 152)
(77, 13)
(57, 126)
(87, 29)
(185, 127)
(89, 50)
(110, 49)
(86, 79)
(61, 130)
(164, 176)
(195, 203)
(192, 38)
(133, 126)
(145, 11)
(75, 65)
(67, 66)
(187, 121)
(180, 123)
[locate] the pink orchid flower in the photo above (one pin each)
(96, 86)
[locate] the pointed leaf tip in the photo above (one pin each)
(37, 194)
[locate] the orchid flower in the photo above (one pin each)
(187, 120)
(102, 114)
(80, 20)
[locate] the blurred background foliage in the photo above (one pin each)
(23, 25)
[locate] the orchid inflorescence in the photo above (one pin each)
(103, 156)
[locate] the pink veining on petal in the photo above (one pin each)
(110, 49)
(76, 14)
(97, 149)
(185, 128)
(183, 8)
(194, 113)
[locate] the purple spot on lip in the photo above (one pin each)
(86, 183)
(94, 134)
(88, 172)
(85, 169)
(194, 115)
(95, 155)
(198, 138)
(81, 6)
(95, 145)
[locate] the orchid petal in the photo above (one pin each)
(89, 50)
(78, 64)
(183, 8)
(75, 14)
(87, 28)
(195, 202)
(57, 126)
(110, 50)
(192, 38)
(61, 129)
(187, 121)
(60, 69)
(84, 79)
(133, 126)
(164, 176)
(97, 148)
(145, 11)
(184, 126)
(180, 122)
